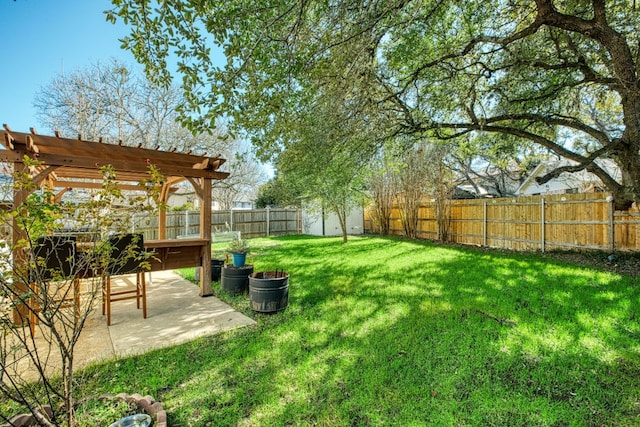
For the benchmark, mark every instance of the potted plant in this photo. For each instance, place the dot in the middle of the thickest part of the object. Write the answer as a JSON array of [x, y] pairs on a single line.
[[238, 248]]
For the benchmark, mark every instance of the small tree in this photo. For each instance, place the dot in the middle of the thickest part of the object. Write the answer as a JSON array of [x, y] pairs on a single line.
[[410, 187], [440, 184], [39, 335], [278, 192], [423, 170], [320, 160], [381, 193]]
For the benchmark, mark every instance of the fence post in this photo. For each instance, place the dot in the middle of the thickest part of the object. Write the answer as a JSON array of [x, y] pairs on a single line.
[[542, 224], [231, 220], [267, 210], [484, 224], [435, 214], [612, 236], [186, 222]]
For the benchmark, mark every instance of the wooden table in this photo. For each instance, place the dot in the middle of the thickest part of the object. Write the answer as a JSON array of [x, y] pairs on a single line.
[[167, 254], [176, 253], [179, 253]]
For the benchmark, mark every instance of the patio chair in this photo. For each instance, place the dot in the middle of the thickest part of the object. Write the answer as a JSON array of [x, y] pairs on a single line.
[[126, 256], [55, 271]]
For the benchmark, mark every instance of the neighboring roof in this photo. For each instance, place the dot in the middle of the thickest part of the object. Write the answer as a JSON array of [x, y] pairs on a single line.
[[468, 191], [72, 162], [575, 178]]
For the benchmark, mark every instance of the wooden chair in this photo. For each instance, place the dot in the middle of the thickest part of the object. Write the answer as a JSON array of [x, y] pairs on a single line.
[[126, 256], [55, 271]]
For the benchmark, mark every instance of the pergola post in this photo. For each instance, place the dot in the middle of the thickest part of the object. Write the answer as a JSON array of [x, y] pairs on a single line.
[[162, 223], [19, 256], [205, 234]]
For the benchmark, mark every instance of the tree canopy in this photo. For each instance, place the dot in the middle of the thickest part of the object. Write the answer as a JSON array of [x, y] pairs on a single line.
[[559, 75]]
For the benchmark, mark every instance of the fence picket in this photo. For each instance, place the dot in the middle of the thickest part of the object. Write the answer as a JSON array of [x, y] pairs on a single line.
[[560, 221], [251, 223]]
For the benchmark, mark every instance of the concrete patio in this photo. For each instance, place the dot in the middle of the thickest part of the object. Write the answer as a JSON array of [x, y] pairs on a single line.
[[175, 314]]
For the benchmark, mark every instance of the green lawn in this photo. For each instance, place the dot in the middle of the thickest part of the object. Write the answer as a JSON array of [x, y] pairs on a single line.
[[388, 332]]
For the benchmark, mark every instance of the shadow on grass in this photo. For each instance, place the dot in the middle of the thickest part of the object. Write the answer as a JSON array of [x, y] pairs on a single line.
[[393, 332]]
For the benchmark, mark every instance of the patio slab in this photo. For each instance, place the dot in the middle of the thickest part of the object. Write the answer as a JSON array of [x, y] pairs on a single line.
[[176, 313]]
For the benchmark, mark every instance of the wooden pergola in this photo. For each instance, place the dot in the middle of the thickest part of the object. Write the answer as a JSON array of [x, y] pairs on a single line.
[[74, 163]]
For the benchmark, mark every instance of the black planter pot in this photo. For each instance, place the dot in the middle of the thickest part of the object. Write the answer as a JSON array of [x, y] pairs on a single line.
[[235, 280], [216, 269], [269, 291], [216, 266]]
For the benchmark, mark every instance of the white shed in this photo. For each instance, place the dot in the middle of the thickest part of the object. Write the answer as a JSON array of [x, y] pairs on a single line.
[[321, 223]]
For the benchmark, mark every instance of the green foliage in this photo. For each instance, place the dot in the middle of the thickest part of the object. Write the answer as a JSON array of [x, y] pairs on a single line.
[[187, 206], [329, 156], [41, 318], [543, 73], [386, 331], [278, 192], [267, 196], [238, 246], [38, 214], [103, 411]]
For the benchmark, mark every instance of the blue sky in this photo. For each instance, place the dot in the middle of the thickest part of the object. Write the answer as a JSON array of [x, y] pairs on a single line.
[[39, 39]]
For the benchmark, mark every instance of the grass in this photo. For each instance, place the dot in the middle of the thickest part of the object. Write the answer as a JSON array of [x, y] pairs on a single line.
[[385, 331]]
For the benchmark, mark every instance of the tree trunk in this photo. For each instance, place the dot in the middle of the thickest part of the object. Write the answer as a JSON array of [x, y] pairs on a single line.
[[342, 217]]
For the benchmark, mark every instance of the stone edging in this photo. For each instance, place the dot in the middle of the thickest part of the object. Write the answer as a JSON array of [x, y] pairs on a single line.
[[26, 420], [147, 403]]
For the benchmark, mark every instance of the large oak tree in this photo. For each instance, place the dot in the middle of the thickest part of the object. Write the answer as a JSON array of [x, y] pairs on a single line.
[[560, 74]]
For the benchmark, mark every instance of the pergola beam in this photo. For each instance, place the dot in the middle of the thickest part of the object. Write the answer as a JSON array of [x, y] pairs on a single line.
[[137, 169], [42, 145]]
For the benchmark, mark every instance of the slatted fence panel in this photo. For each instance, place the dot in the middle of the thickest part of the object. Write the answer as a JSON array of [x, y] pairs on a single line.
[[562, 221], [427, 224], [627, 229], [251, 223]]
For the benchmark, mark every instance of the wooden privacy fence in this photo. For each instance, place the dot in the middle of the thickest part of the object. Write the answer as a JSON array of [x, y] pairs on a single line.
[[563, 221], [251, 223]]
